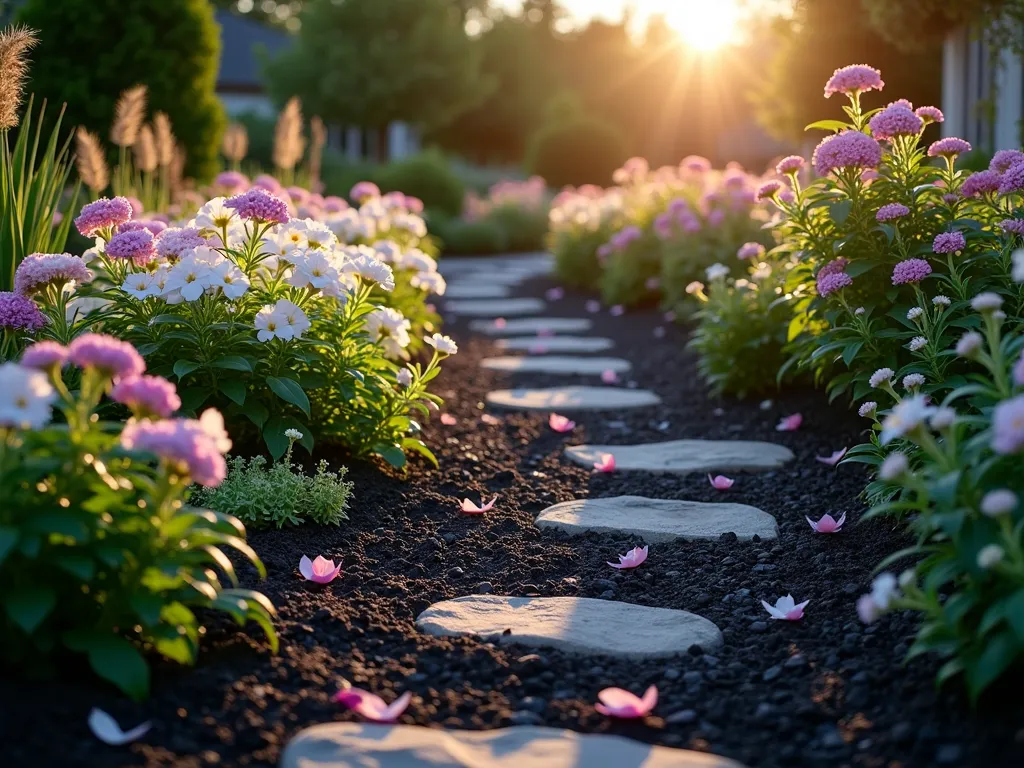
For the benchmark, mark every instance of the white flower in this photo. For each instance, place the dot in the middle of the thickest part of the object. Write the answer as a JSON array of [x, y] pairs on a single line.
[[914, 312], [912, 381], [416, 259], [293, 434], [894, 467], [389, 329], [716, 272], [443, 344], [411, 223], [943, 418], [315, 234], [431, 282], [189, 277], [999, 502], [695, 287], [907, 416], [969, 344], [868, 410], [230, 279], [370, 268], [859, 311], [917, 343], [270, 325], [908, 578], [141, 285], [986, 302], [25, 397], [883, 589], [294, 318], [881, 376], [404, 377], [213, 215], [314, 268], [388, 251], [1018, 265], [989, 556], [941, 301]]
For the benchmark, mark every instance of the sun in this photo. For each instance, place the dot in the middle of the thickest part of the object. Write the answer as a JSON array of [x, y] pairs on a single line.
[[704, 25]]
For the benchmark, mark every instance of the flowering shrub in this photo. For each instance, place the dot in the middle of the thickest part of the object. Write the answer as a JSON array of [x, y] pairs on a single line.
[[517, 211], [98, 553], [279, 496]]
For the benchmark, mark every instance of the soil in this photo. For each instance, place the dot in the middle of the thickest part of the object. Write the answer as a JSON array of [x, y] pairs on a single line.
[[826, 691]]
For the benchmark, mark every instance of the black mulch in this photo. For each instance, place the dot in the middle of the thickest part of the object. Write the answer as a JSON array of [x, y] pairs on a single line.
[[826, 691]]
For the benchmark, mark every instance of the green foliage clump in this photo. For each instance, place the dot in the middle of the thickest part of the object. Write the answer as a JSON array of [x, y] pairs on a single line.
[[281, 495], [524, 227], [428, 176], [576, 150], [462, 237], [90, 52]]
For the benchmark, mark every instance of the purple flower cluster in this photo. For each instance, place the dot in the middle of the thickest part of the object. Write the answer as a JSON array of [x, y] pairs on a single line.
[[949, 242], [147, 396], [855, 78], [695, 164], [849, 149], [364, 190], [39, 270], [195, 447], [103, 214], [834, 267], [750, 251], [621, 240], [334, 204], [268, 182], [833, 282], [1004, 158], [768, 190], [980, 183], [1012, 179], [111, 356], [910, 271], [231, 180], [44, 355], [791, 164], [930, 115], [948, 147], [259, 205], [895, 120], [891, 212], [1008, 426], [1012, 226], [19, 312], [137, 245], [173, 242], [153, 226]]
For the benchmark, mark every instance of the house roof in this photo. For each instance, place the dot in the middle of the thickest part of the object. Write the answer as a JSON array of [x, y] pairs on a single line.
[[240, 39]]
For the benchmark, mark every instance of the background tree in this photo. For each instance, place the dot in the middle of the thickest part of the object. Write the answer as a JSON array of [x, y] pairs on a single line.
[[911, 22], [369, 63], [90, 51]]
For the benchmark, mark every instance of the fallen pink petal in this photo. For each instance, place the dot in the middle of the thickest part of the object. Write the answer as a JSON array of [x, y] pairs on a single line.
[[561, 423], [545, 333], [555, 294], [609, 376], [790, 423], [786, 609], [500, 322], [371, 706], [489, 419], [470, 507], [827, 524], [448, 420], [617, 702], [617, 311], [537, 349], [606, 463], [320, 571], [721, 482], [593, 305], [834, 459], [631, 559]]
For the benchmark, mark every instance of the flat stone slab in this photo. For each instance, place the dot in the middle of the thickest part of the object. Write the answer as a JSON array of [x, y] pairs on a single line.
[[572, 624], [659, 520], [685, 456], [481, 290], [369, 745], [572, 399], [572, 344], [494, 308], [557, 364], [532, 325]]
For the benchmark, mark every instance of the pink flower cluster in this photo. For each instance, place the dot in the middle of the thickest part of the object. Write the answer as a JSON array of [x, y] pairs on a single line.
[[948, 147], [259, 205], [949, 242], [1008, 426], [195, 447], [108, 355], [853, 79], [103, 214], [791, 164], [232, 181], [622, 239], [19, 312], [39, 270], [891, 211], [364, 190], [153, 226], [173, 242], [695, 164], [147, 396], [750, 251], [44, 355], [849, 149], [930, 115], [910, 271], [137, 245], [768, 190], [895, 120]]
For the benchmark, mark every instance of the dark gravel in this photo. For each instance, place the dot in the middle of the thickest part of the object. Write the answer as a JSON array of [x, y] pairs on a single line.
[[826, 691]]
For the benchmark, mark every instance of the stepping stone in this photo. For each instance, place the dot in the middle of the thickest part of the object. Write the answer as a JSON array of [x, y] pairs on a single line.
[[658, 520], [573, 344], [495, 308], [369, 745], [572, 399], [572, 624], [685, 456], [557, 364], [481, 290], [532, 325]]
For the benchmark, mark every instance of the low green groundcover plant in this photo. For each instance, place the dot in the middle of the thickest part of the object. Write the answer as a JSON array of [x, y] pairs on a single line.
[[100, 553], [281, 495]]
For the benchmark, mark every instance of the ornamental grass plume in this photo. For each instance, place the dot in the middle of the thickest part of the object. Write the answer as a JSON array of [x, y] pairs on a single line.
[[90, 161], [144, 150], [288, 141], [317, 142], [164, 140], [236, 142], [129, 113], [15, 43]]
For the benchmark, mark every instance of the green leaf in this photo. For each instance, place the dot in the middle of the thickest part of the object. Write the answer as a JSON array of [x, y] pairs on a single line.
[[193, 397], [62, 523], [8, 538], [234, 389], [827, 125], [81, 566], [289, 391], [177, 649], [839, 212], [147, 607], [183, 368], [28, 606], [999, 653], [392, 454], [233, 363], [115, 659], [257, 413]]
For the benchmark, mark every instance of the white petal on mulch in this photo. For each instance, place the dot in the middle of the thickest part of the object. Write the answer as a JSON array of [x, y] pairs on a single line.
[[573, 624], [570, 344], [105, 728], [494, 308], [658, 520], [561, 399], [685, 456], [532, 326], [557, 364], [477, 290], [359, 745]]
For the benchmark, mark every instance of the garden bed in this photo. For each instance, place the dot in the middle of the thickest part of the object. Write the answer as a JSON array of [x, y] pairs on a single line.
[[825, 691]]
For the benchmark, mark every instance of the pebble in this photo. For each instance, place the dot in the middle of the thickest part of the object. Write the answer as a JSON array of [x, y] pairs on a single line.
[[693, 677], [484, 588], [759, 626], [672, 673], [949, 754], [771, 673], [794, 661], [682, 717], [456, 571], [524, 717]]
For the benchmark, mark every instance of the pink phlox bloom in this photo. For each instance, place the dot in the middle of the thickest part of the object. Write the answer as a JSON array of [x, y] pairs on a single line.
[[616, 702], [371, 706], [721, 482], [470, 507], [448, 420], [786, 608], [609, 376], [834, 459], [790, 423], [827, 524], [321, 570], [561, 423], [500, 322], [631, 559], [605, 464]]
